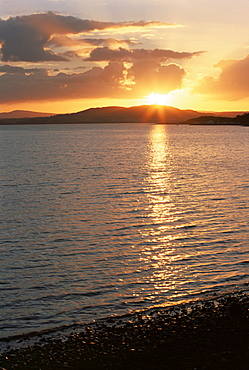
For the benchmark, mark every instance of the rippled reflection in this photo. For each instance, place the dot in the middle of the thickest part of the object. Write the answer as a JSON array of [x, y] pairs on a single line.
[[161, 254], [158, 181], [102, 219]]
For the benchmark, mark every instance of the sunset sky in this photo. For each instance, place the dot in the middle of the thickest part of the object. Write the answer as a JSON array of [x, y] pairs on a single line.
[[64, 56]]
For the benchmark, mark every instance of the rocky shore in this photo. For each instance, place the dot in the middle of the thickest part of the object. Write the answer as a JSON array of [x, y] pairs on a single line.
[[209, 334]]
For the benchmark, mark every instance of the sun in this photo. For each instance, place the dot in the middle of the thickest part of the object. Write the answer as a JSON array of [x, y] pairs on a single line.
[[157, 99]]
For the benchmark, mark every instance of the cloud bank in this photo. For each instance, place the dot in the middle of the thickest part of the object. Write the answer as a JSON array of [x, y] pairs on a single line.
[[109, 66], [105, 54], [113, 81], [232, 83], [24, 38]]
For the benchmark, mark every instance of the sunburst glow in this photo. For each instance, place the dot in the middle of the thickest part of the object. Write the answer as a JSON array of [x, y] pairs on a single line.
[[158, 99]]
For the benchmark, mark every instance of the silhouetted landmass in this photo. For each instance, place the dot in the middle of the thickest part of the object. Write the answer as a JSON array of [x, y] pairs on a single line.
[[231, 114], [140, 114], [242, 120], [24, 114]]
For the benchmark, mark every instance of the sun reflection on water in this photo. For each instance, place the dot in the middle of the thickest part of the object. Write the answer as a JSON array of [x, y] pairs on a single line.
[[159, 180], [160, 254]]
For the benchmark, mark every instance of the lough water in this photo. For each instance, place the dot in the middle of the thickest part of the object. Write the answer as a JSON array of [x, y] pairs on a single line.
[[98, 220]]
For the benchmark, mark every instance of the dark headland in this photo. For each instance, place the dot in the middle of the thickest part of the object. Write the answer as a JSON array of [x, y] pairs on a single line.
[[208, 334], [140, 114]]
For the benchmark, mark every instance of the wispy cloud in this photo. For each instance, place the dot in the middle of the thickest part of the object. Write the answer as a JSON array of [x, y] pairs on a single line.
[[64, 40], [105, 54]]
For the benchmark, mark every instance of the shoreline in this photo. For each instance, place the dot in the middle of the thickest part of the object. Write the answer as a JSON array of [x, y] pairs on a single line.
[[212, 333], [234, 124]]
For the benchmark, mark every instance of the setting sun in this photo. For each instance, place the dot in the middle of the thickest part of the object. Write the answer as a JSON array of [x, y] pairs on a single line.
[[157, 99]]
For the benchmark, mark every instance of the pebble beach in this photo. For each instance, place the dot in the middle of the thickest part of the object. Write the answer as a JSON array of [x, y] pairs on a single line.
[[204, 334]]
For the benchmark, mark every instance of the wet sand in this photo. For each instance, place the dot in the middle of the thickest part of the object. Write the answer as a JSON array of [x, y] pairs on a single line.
[[209, 334]]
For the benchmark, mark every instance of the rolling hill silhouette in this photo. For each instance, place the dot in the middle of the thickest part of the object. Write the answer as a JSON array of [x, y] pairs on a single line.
[[23, 114], [139, 114]]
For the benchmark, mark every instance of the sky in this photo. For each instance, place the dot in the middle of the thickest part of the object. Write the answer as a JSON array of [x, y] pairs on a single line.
[[62, 56]]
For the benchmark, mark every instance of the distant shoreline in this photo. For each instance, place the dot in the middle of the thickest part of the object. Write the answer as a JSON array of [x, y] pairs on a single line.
[[141, 114], [122, 123]]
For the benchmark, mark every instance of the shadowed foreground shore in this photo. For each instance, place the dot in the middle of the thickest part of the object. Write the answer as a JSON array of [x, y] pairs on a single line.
[[210, 334]]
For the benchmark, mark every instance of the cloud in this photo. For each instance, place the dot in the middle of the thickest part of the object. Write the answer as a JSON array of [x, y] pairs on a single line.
[[40, 85], [144, 24], [66, 41], [106, 54], [114, 80], [25, 38], [151, 76], [124, 71], [232, 83], [18, 70]]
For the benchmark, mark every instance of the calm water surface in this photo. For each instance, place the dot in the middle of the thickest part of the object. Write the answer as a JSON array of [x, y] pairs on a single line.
[[97, 220]]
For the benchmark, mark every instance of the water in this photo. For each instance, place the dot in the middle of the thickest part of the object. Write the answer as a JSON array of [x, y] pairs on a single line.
[[98, 220]]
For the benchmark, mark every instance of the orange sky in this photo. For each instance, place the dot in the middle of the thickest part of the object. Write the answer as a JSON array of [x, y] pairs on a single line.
[[66, 56]]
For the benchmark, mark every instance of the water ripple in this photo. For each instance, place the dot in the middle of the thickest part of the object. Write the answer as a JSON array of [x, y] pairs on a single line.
[[97, 221]]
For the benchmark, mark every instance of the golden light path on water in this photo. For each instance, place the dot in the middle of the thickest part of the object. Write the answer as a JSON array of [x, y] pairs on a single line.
[[163, 252], [98, 220]]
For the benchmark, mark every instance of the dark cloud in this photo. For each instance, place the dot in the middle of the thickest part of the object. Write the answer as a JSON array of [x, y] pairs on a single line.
[[19, 70], [232, 83], [71, 54], [114, 80], [32, 39], [109, 41], [11, 69], [62, 40], [24, 38], [106, 54], [95, 83]]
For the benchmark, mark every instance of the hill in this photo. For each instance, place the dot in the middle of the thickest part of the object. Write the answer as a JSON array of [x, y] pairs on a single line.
[[231, 114], [139, 114], [242, 120], [23, 114]]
